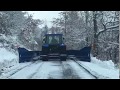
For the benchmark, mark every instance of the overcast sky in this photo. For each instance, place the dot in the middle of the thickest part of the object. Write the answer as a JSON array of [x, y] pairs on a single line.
[[45, 15]]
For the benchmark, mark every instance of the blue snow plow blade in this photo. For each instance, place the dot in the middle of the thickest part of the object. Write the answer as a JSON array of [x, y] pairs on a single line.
[[82, 55], [26, 56]]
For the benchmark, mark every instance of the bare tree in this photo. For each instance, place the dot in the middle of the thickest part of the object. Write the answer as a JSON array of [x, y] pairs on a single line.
[[119, 44], [99, 28], [95, 33]]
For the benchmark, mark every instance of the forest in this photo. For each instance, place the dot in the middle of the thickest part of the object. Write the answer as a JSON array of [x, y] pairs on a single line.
[[98, 29]]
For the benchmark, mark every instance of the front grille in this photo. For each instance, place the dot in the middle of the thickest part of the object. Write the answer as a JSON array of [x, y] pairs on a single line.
[[54, 49]]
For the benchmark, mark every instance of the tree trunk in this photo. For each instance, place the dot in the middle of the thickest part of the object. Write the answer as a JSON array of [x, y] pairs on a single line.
[[65, 23], [95, 52], [65, 32], [119, 43], [86, 21]]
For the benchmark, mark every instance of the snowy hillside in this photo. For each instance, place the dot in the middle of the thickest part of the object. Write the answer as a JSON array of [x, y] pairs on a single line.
[[8, 51], [7, 59], [6, 55]]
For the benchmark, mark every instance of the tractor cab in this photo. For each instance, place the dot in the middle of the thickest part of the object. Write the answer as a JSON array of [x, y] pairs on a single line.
[[53, 46], [53, 39]]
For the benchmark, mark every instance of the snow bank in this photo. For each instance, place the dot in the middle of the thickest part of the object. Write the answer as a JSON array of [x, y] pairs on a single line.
[[6, 55], [106, 64], [7, 59], [101, 69]]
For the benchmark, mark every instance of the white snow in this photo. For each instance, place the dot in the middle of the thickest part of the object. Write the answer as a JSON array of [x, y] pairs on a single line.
[[53, 69], [10, 71], [27, 72], [104, 64], [102, 69], [79, 71], [6, 55], [49, 69], [37, 70], [7, 59]]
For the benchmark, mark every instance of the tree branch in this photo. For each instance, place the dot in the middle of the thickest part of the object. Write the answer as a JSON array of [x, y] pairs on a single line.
[[109, 42], [104, 25], [103, 30]]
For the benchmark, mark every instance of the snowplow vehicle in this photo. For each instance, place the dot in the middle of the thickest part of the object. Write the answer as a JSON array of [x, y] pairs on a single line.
[[54, 48]]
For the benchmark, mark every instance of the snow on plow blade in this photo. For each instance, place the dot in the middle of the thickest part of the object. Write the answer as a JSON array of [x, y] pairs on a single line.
[[82, 55]]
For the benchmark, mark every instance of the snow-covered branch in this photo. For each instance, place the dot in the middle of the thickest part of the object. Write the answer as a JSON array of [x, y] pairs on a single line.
[[109, 42], [103, 30]]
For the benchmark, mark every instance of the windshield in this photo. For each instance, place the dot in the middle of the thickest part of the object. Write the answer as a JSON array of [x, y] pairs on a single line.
[[52, 39]]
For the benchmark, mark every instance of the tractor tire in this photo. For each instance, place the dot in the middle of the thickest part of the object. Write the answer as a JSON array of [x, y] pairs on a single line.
[[62, 58], [45, 59]]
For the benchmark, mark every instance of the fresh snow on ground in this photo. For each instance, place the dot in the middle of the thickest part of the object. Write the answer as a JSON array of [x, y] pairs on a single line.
[[35, 70], [7, 59], [55, 70], [102, 69], [27, 72], [14, 69], [6, 55], [10, 68], [49, 70], [8, 51], [79, 71], [104, 64]]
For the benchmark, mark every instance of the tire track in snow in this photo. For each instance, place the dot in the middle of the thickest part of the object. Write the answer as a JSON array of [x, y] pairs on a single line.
[[26, 72], [68, 71], [86, 69], [82, 73], [10, 73], [95, 74], [32, 75], [92, 72], [49, 70], [13, 68]]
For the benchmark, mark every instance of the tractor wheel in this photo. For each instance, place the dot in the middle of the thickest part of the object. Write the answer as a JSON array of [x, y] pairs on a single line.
[[45, 59], [63, 58]]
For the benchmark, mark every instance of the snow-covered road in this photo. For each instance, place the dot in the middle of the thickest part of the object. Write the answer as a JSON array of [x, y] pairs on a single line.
[[49, 70], [81, 72], [36, 70]]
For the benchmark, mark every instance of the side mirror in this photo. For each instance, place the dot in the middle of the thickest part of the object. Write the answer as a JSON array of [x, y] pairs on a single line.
[[43, 40], [63, 40]]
